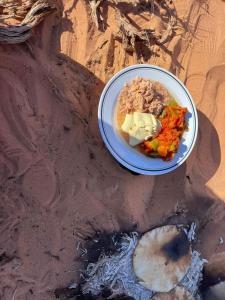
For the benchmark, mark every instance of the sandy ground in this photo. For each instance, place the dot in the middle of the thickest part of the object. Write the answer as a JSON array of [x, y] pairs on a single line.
[[58, 183]]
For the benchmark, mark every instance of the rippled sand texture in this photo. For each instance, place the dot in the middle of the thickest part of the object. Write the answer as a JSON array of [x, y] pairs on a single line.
[[59, 184]]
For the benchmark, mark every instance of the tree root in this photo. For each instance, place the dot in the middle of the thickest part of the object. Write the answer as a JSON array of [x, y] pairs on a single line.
[[128, 33], [30, 13]]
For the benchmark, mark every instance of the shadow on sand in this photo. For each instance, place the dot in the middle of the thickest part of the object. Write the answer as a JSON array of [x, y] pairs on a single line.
[[191, 178]]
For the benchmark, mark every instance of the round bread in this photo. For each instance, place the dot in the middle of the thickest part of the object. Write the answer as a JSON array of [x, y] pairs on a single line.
[[162, 258], [179, 293]]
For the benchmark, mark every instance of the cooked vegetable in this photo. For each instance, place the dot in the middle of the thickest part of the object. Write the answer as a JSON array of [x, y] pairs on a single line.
[[166, 144]]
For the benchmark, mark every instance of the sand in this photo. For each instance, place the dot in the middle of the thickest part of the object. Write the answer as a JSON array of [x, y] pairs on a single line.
[[59, 184]]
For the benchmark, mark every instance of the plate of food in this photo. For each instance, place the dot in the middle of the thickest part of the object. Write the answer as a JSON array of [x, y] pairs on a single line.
[[147, 119]]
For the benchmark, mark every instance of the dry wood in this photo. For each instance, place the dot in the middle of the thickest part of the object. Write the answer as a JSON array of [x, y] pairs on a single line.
[[94, 4], [31, 13], [128, 33]]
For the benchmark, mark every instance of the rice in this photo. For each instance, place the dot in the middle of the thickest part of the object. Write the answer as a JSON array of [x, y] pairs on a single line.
[[143, 95]]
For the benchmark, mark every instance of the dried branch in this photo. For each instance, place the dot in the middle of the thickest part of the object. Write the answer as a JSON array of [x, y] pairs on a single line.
[[11, 9], [31, 12], [94, 4], [128, 33], [132, 2]]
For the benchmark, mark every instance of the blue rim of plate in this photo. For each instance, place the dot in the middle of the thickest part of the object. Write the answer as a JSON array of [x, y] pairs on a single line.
[[121, 160]]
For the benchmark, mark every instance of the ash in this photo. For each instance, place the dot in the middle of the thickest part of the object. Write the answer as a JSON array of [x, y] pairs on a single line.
[[115, 272], [193, 277]]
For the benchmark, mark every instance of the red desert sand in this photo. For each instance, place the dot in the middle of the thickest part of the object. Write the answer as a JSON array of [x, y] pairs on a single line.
[[58, 183]]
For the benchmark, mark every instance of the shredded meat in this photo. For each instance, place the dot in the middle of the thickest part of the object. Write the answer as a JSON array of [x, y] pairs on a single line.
[[143, 95]]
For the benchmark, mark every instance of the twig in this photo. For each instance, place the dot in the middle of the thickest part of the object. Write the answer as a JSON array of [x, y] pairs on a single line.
[[95, 12], [128, 33]]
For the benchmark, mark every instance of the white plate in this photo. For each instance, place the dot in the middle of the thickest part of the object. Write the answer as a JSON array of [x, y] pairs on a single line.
[[123, 153]]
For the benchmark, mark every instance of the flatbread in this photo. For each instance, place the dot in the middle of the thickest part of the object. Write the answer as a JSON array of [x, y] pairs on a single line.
[[179, 293], [162, 258]]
